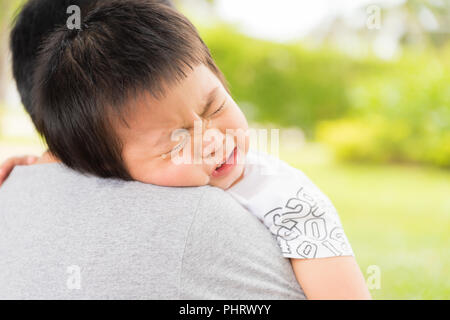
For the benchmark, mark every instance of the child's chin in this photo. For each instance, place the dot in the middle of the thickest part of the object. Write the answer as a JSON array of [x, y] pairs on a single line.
[[222, 184]]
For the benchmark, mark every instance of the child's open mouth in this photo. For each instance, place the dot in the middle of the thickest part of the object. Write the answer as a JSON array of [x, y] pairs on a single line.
[[226, 166]]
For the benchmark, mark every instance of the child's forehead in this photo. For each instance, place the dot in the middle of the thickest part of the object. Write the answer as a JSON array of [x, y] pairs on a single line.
[[180, 102]]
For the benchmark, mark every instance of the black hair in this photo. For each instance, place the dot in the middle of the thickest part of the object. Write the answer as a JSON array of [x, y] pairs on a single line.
[[35, 21], [84, 78]]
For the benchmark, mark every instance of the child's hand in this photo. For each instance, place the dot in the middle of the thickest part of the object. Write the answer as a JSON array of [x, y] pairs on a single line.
[[8, 165]]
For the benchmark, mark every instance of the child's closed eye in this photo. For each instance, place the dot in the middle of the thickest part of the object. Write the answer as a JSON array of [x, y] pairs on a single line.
[[219, 109], [182, 144]]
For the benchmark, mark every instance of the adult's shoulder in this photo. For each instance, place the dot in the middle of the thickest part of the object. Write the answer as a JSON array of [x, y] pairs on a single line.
[[57, 181], [229, 254]]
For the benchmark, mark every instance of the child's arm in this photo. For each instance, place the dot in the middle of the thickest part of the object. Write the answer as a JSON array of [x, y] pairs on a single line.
[[306, 226], [334, 278]]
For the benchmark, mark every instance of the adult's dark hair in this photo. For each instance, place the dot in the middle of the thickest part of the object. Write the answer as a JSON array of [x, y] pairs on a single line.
[[87, 78], [35, 21]]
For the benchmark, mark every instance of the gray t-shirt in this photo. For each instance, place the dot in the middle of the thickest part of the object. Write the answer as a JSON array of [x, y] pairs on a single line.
[[64, 235]]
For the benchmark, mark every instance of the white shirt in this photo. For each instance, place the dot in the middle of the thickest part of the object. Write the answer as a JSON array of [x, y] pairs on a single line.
[[301, 217]]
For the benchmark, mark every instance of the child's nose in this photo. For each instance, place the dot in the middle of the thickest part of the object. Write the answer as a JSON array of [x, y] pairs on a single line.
[[213, 141]]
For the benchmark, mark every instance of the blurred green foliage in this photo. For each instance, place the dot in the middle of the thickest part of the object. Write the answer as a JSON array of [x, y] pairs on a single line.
[[365, 109]]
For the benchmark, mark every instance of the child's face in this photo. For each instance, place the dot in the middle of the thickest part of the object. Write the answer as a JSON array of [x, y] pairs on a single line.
[[148, 148]]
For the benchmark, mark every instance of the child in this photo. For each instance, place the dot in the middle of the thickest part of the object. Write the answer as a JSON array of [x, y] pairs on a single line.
[[136, 87]]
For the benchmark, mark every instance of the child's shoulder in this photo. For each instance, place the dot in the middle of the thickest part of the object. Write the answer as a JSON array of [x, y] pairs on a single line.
[[268, 173], [294, 209]]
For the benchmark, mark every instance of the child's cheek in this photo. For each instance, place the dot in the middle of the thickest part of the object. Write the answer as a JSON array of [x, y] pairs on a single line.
[[179, 175]]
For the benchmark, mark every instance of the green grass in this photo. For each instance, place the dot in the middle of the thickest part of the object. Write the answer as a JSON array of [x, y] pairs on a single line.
[[396, 217]]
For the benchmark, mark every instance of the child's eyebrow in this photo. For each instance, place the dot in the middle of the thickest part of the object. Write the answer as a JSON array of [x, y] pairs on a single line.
[[211, 97]]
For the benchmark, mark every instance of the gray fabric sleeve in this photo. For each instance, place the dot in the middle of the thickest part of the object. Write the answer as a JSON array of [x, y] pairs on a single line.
[[229, 254]]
